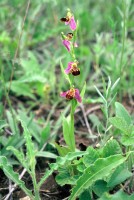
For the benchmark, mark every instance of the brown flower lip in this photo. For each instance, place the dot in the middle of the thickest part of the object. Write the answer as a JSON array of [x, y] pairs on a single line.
[[70, 94], [75, 71], [64, 19], [70, 35]]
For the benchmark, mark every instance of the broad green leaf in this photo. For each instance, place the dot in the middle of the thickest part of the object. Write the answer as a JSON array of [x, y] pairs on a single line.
[[20, 156], [66, 177], [31, 61], [120, 174], [21, 89], [100, 169], [122, 113], [119, 123], [120, 195], [112, 147], [60, 161], [85, 195], [91, 157], [32, 78], [8, 170], [29, 144], [127, 140], [100, 187]]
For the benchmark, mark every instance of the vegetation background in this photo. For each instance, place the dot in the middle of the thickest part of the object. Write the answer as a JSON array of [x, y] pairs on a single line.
[[31, 80]]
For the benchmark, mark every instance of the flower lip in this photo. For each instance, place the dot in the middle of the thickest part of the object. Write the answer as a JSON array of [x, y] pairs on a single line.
[[65, 19], [69, 36], [72, 94]]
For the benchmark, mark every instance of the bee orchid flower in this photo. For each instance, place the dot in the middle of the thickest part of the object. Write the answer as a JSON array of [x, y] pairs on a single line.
[[69, 20], [72, 68], [72, 94]]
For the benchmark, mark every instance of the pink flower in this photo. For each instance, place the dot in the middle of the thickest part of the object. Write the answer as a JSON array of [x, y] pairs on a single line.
[[67, 44], [72, 94], [72, 23], [72, 68]]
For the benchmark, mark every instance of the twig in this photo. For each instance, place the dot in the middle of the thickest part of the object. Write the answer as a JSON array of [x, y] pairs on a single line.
[[92, 109], [86, 121], [14, 186], [17, 49]]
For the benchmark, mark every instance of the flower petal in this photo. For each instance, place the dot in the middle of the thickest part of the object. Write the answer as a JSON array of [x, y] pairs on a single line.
[[77, 96], [72, 23], [66, 43], [68, 69], [75, 44], [63, 94], [66, 23]]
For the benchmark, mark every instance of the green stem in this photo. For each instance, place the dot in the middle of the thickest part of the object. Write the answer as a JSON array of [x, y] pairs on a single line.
[[123, 43], [72, 125], [9, 102], [36, 189], [130, 159], [123, 37]]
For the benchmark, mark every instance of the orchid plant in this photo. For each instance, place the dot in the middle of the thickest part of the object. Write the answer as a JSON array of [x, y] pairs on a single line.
[[72, 94]]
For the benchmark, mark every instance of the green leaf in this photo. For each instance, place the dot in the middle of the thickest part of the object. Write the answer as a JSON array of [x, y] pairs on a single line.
[[66, 123], [20, 156], [8, 170], [82, 93], [3, 124], [45, 133], [127, 140], [119, 123], [65, 176], [91, 157], [29, 144], [11, 122], [85, 195], [32, 78], [33, 127], [123, 113], [120, 195], [60, 161], [112, 147], [120, 174], [100, 187], [62, 150], [100, 169], [46, 154], [21, 89]]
